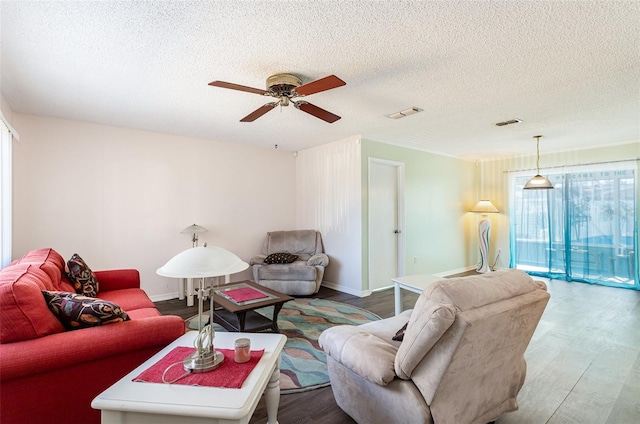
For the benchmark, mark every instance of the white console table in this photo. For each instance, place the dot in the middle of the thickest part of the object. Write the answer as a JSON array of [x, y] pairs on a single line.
[[413, 283], [129, 401]]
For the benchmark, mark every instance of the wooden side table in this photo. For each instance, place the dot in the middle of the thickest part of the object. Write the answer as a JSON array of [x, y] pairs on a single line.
[[242, 316]]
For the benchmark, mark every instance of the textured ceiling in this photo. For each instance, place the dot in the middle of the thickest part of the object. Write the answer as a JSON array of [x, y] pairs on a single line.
[[569, 70]]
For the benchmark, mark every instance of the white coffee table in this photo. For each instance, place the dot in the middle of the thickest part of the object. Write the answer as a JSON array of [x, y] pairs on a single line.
[[413, 283], [136, 402]]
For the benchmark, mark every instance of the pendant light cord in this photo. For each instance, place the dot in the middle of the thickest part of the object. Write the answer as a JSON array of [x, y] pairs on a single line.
[[538, 153]]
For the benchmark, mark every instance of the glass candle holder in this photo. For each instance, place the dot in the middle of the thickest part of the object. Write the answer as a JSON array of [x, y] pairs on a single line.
[[242, 350]]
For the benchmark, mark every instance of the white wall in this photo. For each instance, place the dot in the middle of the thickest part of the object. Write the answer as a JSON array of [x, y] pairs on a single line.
[[329, 200], [120, 197]]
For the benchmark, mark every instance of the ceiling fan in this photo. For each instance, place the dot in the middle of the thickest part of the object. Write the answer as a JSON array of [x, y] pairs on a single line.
[[285, 88]]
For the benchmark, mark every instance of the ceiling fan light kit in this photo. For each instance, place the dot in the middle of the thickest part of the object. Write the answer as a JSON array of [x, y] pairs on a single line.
[[286, 88]]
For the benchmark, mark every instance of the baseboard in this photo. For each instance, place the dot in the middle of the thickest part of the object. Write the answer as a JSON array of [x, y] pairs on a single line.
[[348, 290], [456, 271], [365, 293], [166, 296]]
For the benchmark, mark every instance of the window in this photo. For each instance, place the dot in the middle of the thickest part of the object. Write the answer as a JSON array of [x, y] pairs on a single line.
[[586, 229], [5, 195]]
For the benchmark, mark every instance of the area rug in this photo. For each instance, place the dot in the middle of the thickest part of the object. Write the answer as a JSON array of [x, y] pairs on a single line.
[[303, 365]]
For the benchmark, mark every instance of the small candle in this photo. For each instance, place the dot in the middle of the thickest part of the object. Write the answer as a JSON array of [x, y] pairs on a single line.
[[243, 350]]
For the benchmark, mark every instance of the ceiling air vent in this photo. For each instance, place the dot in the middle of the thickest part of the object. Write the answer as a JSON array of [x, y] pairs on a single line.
[[512, 121], [404, 113]]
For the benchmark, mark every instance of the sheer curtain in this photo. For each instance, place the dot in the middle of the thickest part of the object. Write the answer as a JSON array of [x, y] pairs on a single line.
[[586, 229]]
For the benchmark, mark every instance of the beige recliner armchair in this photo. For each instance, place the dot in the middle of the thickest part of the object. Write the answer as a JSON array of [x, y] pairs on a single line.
[[461, 360], [303, 274]]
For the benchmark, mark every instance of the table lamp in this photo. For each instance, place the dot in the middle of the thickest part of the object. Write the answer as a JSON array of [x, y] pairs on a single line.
[[203, 262], [484, 207]]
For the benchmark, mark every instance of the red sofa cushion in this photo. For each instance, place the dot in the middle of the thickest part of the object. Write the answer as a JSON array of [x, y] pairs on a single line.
[[128, 299], [50, 262], [23, 312], [144, 313]]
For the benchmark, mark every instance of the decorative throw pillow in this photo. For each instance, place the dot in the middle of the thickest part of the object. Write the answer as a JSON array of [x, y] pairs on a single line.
[[76, 311], [400, 334], [280, 258], [83, 279]]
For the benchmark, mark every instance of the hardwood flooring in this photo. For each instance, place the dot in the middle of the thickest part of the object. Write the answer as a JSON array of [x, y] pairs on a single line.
[[583, 363]]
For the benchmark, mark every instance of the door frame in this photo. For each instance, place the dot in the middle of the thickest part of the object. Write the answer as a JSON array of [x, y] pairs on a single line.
[[400, 180]]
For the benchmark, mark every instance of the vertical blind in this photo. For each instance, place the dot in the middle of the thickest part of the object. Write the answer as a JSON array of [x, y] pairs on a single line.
[[585, 229]]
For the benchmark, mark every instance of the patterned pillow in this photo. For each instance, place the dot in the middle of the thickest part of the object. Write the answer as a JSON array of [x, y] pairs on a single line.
[[280, 258], [76, 311], [83, 279], [400, 334]]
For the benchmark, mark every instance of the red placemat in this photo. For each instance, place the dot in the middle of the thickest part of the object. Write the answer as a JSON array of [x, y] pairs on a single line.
[[229, 374], [243, 294]]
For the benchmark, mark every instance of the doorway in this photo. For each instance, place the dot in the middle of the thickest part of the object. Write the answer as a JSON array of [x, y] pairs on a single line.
[[386, 222]]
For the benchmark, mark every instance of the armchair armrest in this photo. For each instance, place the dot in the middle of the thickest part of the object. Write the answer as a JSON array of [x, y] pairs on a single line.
[[257, 260], [319, 259], [116, 279], [363, 353]]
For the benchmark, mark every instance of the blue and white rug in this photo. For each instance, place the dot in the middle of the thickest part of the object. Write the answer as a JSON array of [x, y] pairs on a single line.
[[304, 365]]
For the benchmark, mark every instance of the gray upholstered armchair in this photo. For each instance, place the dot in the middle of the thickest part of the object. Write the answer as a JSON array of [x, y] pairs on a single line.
[[300, 277], [461, 360]]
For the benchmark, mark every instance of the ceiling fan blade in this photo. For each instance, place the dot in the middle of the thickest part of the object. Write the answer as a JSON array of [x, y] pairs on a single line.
[[323, 84], [259, 112], [317, 112], [238, 87]]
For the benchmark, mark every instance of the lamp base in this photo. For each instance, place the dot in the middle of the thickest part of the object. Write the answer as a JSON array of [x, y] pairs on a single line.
[[198, 363], [484, 229]]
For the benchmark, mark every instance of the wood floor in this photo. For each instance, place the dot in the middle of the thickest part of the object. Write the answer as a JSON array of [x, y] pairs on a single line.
[[583, 363]]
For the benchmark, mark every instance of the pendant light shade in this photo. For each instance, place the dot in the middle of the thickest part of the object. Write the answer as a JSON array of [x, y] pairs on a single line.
[[538, 182]]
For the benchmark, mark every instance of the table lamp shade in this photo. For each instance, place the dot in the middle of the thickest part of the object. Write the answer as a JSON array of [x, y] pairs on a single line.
[[202, 262]]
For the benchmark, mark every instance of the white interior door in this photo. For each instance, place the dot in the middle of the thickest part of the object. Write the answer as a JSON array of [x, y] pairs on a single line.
[[386, 257]]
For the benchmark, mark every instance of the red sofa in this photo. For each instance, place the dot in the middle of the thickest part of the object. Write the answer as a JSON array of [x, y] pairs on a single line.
[[49, 375]]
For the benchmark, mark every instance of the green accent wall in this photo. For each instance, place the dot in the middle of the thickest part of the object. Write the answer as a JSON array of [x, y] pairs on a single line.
[[439, 191]]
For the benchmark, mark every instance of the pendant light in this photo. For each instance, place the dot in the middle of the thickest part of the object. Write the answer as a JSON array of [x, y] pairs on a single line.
[[538, 182]]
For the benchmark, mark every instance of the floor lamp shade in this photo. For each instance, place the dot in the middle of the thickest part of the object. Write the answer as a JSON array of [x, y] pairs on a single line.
[[194, 230], [484, 232]]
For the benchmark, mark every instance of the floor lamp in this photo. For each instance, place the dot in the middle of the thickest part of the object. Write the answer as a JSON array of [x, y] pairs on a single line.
[[194, 230], [484, 207]]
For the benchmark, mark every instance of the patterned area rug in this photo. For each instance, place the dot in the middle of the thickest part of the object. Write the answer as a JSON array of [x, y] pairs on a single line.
[[303, 365]]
